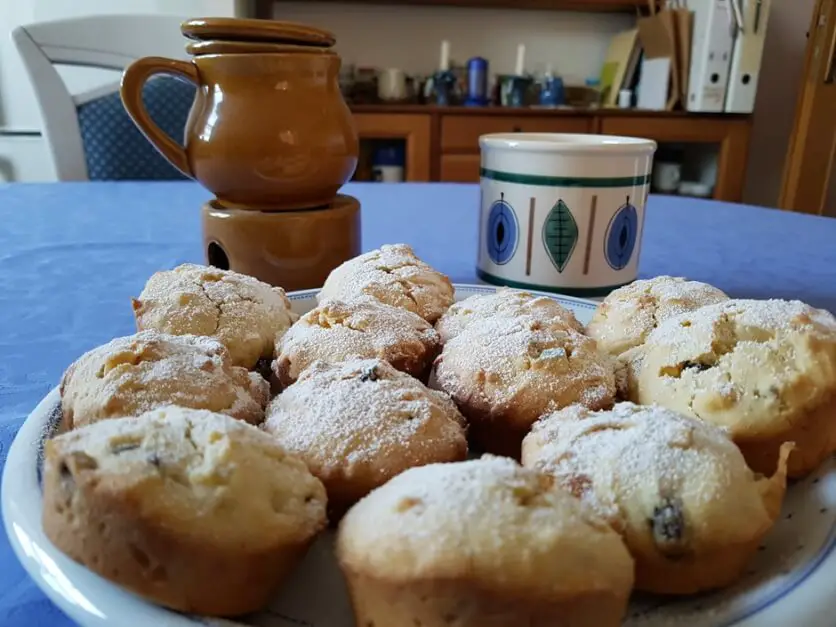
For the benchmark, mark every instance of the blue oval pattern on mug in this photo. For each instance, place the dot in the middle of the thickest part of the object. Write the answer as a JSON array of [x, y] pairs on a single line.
[[622, 234], [503, 232]]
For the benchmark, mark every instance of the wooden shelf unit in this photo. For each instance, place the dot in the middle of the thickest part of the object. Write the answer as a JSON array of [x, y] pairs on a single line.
[[264, 8], [442, 143]]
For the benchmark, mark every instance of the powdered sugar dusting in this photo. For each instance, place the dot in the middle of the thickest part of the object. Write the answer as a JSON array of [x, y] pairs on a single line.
[[363, 328], [504, 302], [365, 411], [133, 374], [630, 461], [753, 366], [511, 367], [246, 315], [630, 313], [229, 480], [395, 276], [504, 521]]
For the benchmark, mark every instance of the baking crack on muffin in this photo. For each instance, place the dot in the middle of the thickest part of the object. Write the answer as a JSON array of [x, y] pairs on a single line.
[[337, 331], [764, 370], [395, 276], [246, 315], [134, 374]]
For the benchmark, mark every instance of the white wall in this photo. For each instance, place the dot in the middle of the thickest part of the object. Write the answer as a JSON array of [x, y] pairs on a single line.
[[409, 37]]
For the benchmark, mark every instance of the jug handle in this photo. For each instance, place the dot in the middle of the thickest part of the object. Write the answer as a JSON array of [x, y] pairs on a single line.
[[133, 80]]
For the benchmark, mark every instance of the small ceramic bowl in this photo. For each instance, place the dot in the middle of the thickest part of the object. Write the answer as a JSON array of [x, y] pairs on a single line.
[[562, 213]]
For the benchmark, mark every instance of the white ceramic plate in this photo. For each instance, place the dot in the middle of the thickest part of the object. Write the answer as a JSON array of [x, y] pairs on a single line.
[[792, 580]]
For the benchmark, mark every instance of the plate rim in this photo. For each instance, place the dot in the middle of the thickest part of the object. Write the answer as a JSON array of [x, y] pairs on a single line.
[[577, 301], [19, 483]]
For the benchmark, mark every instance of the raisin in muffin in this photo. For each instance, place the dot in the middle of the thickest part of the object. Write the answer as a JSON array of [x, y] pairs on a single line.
[[764, 370], [190, 509], [359, 423], [364, 328], [395, 276], [508, 303], [505, 373], [677, 489], [134, 374], [244, 314], [625, 318], [482, 542]]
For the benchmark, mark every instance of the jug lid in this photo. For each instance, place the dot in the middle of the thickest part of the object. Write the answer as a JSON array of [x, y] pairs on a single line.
[[225, 46], [241, 29]]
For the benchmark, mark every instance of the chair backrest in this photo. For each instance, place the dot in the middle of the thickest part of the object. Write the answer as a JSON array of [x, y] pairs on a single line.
[[94, 120]]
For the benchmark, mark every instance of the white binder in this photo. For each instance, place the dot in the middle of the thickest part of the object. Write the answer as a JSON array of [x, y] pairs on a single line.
[[715, 27], [747, 55]]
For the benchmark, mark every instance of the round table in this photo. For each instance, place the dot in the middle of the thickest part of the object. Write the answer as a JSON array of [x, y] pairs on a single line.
[[72, 255]]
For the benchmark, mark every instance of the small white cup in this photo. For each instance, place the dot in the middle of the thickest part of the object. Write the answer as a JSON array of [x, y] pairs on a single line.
[[391, 84], [666, 176], [562, 213]]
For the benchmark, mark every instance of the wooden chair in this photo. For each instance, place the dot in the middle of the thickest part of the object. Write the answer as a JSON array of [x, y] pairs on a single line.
[[89, 135]]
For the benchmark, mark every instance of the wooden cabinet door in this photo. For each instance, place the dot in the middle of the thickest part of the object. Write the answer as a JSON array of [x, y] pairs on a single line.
[[460, 168], [460, 133], [414, 129], [731, 134], [809, 168]]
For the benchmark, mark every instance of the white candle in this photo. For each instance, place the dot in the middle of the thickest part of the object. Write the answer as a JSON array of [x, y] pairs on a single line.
[[520, 69], [445, 56]]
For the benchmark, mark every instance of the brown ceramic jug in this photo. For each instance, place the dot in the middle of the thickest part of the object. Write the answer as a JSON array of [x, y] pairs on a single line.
[[269, 128]]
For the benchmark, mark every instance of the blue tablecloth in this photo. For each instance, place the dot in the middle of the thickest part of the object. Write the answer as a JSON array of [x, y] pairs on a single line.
[[72, 255]]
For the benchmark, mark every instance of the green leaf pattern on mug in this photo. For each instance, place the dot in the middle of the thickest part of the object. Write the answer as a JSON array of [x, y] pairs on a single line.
[[560, 235]]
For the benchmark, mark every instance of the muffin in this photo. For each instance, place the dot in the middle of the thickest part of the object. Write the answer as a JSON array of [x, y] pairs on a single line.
[[336, 331], [504, 303], [505, 373], [477, 543], [359, 423], [764, 370], [677, 489], [395, 276], [626, 317], [244, 314], [190, 509], [131, 375]]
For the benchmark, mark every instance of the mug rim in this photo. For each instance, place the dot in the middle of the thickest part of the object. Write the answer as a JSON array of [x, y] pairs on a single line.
[[566, 143]]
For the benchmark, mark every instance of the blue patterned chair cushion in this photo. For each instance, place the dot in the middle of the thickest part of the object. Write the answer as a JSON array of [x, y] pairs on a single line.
[[113, 146]]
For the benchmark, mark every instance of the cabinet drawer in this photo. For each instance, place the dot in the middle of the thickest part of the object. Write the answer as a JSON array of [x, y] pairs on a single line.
[[460, 168], [460, 133]]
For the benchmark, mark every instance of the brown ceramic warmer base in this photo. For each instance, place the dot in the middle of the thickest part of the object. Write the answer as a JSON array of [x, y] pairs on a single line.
[[295, 250]]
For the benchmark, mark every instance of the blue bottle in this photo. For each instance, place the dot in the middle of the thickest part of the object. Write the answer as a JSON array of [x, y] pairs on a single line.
[[477, 82], [552, 93]]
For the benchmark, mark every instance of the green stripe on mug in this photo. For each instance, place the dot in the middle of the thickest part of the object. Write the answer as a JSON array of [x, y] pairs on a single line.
[[564, 181]]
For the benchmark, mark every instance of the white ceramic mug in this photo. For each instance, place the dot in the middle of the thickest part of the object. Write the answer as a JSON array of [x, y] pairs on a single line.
[[666, 176], [391, 84], [562, 212]]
